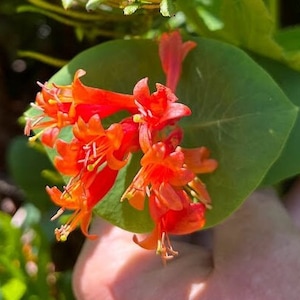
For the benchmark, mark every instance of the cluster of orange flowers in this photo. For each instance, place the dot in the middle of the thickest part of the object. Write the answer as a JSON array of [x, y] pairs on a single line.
[[177, 198]]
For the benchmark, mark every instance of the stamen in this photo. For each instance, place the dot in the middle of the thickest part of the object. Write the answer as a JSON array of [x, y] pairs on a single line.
[[62, 233], [56, 97], [137, 118], [94, 146], [40, 84], [87, 155], [195, 192], [36, 121], [148, 191], [28, 126], [32, 104], [140, 108], [150, 113], [165, 249], [58, 214], [52, 102], [66, 190], [91, 167], [35, 137]]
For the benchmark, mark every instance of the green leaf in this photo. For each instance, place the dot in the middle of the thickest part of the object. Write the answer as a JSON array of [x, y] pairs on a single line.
[[21, 250], [167, 8], [131, 9], [289, 39], [288, 164], [67, 3], [93, 4], [121, 213], [14, 289], [239, 113], [247, 24], [11, 275], [26, 166]]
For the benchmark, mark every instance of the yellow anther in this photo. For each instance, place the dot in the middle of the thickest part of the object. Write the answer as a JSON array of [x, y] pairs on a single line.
[[137, 118]]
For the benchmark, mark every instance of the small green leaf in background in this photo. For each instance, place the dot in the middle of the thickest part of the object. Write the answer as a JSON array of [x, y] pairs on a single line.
[[131, 9], [27, 166], [67, 3], [289, 39], [93, 4], [247, 24], [24, 258], [10, 260], [167, 8], [13, 289], [239, 113]]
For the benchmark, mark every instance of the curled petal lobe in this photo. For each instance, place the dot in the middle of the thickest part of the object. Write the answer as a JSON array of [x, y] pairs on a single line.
[[168, 196], [198, 160], [49, 136], [150, 242], [185, 221], [159, 109]]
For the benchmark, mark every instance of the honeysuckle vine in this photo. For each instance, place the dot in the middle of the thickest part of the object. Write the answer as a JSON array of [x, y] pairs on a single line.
[[168, 175]]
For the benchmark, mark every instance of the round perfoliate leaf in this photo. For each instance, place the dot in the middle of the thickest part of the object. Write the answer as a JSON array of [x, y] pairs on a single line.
[[238, 112]]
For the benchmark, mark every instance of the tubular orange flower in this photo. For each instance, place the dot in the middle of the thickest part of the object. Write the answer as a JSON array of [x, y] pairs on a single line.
[[99, 144], [160, 108], [177, 198], [93, 159], [61, 106], [94, 146], [178, 222], [160, 171], [172, 52], [163, 171], [198, 160], [81, 194], [156, 111], [54, 104]]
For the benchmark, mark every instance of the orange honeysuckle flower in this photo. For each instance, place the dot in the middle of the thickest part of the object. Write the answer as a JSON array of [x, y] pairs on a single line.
[[177, 198], [99, 144], [172, 52], [81, 194], [155, 111], [108, 100], [61, 106], [177, 222], [94, 146], [54, 105], [161, 170], [160, 108], [93, 158]]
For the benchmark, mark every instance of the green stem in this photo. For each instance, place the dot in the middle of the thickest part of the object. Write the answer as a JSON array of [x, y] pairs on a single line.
[[66, 21], [43, 58], [80, 15]]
